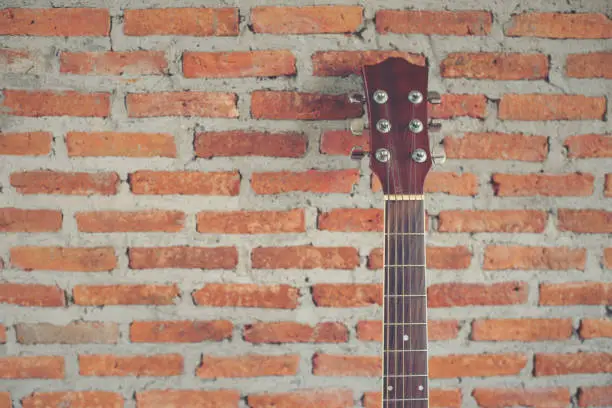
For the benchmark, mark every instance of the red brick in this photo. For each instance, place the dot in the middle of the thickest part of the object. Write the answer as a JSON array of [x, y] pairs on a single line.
[[592, 65], [239, 64], [375, 259], [347, 294], [128, 144], [434, 22], [524, 397], [517, 185], [76, 332], [607, 258], [187, 398], [250, 365], [130, 221], [22, 220], [595, 328], [19, 61], [575, 293], [185, 182], [180, 331], [186, 103], [584, 221], [551, 107], [64, 259], [73, 399], [458, 257], [451, 106], [560, 25], [476, 294], [2, 336], [44, 367], [55, 103], [465, 184], [62, 22], [492, 221], [306, 20], [251, 222], [497, 146], [371, 330], [198, 22], [108, 365], [438, 398], [5, 400], [55, 182], [293, 332], [586, 146], [343, 63], [343, 365], [313, 181], [521, 329], [518, 257], [572, 363], [26, 143], [249, 143], [494, 65], [312, 398], [247, 295], [351, 220], [595, 396], [476, 365], [125, 295], [340, 142], [114, 63], [31, 295], [305, 257], [302, 106], [183, 257]]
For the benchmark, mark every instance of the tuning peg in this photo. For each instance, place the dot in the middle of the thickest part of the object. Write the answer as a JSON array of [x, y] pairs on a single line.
[[356, 98], [434, 127], [438, 158], [357, 153], [356, 126], [434, 97]]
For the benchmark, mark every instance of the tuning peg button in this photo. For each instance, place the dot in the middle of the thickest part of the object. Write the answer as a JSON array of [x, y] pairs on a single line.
[[356, 98], [434, 97], [356, 126], [438, 158], [357, 153]]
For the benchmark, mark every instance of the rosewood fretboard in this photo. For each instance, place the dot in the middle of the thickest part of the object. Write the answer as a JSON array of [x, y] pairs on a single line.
[[405, 382]]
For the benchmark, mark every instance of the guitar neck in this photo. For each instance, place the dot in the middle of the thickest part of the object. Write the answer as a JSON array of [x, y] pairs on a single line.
[[405, 381]]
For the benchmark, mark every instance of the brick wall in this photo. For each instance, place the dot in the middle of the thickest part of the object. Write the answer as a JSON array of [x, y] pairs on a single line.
[[181, 226]]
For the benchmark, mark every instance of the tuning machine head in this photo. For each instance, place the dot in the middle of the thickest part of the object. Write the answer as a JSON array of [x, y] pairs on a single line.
[[357, 153], [434, 97], [356, 98]]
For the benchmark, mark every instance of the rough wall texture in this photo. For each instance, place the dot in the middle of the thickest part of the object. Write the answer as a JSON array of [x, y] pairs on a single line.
[[181, 226]]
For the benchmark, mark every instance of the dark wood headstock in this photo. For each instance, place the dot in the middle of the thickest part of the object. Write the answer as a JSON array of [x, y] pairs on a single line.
[[396, 92]]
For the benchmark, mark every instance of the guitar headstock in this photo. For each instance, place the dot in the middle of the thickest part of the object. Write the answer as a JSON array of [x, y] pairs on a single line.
[[396, 96]]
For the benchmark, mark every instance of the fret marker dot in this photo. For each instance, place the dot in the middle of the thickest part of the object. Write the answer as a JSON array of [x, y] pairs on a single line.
[[420, 388], [390, 387], [406, 337]]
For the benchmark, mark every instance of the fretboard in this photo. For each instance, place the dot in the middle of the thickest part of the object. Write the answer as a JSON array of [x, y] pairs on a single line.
[[405, 306]]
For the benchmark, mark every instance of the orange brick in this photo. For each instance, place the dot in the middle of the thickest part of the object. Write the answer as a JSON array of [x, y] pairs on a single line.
[[458, 257], [343, 63], [476, 294], [432, 22], [64, 259], [25, 144], [271, 63], [595, 396], [492, 221], [572, 363], [43, 367], [125, 295], [497, 146], [183, 257], [32, 295], [185, 398], [494, 65], [288, 105], [306, 20], [560, 25], [518, 257], [592, 65], [465, 184], [74, 399], [187, 103], [247, 295], [343, 365], [113, 63], [476, 365], [575, 293], [249, 143], [452, 106], [55, 103], [607, 258], [251, 222], [128, 144], [314, 181], [185, 182], [52, 182], [108, 365], [22, 220], [584, 221], [516, 185], [251, 365], [351, 220], [595, 328], [5, 400], [2, 336], [62, 22], [551, 107], [586, 146], [130, 221], [347, 294], [180, 331], [313, 398], [293, 332], [527, 397], [304, 257], [340, 142], [521, 329], [198, 22]]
